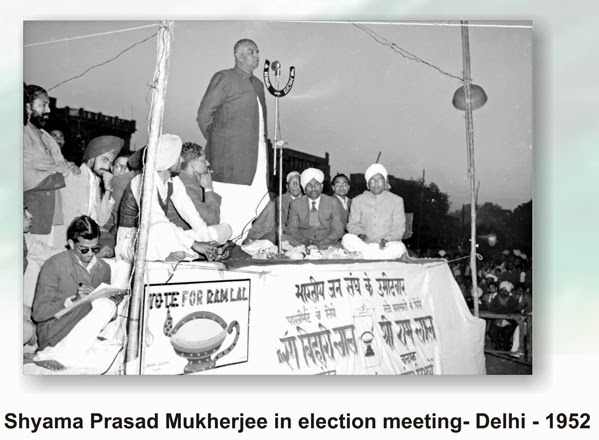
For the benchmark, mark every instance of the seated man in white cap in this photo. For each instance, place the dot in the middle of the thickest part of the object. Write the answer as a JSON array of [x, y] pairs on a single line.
[[377, 220], [265, 227], [167, 241], [90, 192], [314, 219]]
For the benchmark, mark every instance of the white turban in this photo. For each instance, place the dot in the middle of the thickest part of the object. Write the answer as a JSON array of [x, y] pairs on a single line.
[[517, 252], [493, 277], [374, 169], [292, 174], [442, 253], [309, 174], [506, 285], [169, 151]]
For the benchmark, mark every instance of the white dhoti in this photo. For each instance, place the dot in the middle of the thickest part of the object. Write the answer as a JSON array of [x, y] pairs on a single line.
[[165, 238], [81, 348], [242, 204], [371, 251]]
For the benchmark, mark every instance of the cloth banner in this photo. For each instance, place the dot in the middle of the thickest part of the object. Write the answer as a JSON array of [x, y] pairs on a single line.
[[320, 318]]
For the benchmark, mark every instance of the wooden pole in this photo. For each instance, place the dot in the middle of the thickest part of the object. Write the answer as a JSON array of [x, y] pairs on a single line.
[[470, 155], [420, 214], [133, 364]]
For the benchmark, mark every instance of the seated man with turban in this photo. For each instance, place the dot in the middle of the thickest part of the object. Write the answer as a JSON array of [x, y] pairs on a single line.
[[90, 192], [166, 240], [377, 219], [314, 219]]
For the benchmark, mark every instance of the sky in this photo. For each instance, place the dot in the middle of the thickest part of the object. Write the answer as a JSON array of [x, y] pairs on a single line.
[[352, 96]]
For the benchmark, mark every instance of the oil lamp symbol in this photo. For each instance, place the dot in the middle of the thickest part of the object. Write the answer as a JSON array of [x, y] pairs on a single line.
[[367, 338], [198, 336]]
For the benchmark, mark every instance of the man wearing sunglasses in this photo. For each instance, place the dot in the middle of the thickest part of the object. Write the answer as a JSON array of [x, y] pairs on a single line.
[[64, 279]]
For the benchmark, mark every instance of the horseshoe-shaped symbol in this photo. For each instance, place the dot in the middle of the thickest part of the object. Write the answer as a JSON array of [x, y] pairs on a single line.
[[270, 87]]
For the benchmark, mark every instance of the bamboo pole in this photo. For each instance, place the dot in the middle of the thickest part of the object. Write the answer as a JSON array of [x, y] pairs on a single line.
[[470, 155], [155, 129]]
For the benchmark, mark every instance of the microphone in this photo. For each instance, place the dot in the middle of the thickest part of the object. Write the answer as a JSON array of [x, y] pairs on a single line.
[[276, 67]]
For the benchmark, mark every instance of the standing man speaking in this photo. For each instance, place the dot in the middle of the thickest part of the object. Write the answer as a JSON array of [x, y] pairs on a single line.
[[232, 118]]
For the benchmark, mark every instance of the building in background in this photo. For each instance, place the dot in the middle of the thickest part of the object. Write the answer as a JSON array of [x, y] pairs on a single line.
[[79, 126], [294, 160]]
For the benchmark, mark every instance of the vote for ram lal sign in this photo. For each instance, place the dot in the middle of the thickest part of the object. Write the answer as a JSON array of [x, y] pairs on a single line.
[[195, 327]]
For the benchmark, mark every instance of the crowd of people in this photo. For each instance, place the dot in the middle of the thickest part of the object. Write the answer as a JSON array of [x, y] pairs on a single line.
[[504, 286]]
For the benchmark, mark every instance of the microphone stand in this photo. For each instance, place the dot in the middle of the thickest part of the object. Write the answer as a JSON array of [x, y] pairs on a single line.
[[279, 144], [280, 148]]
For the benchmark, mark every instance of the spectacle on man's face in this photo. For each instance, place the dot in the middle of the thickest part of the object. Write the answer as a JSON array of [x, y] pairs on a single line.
[[377, 184], [119, 167], [293, 186], [85, 249], [58, 137], [313, 189], [341, 186]]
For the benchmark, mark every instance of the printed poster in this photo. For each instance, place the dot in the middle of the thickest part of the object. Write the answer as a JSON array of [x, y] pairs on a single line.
[[195, 327]]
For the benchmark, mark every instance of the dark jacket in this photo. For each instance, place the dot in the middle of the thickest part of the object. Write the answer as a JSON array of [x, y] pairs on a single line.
[[207, 203], [58, 280], [266, 226], [229, 120], [329, 215], [41, 203]]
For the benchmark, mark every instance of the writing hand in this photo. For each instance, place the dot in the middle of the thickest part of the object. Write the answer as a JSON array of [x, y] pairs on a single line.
[[83, 291]]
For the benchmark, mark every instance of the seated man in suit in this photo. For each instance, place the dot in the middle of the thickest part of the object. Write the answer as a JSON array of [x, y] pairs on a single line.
[[340, 190], [314, 219], [266, 226], [377, 220]]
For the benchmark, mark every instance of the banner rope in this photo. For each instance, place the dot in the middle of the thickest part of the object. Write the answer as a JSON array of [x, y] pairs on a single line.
[[62, 40]]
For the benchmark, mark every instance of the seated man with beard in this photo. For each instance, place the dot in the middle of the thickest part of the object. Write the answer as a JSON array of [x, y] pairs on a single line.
[[90, 193], [166, 240]]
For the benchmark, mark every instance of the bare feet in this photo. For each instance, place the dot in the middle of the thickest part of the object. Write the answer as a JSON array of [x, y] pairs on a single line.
[[176, 256], [208, 249]]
